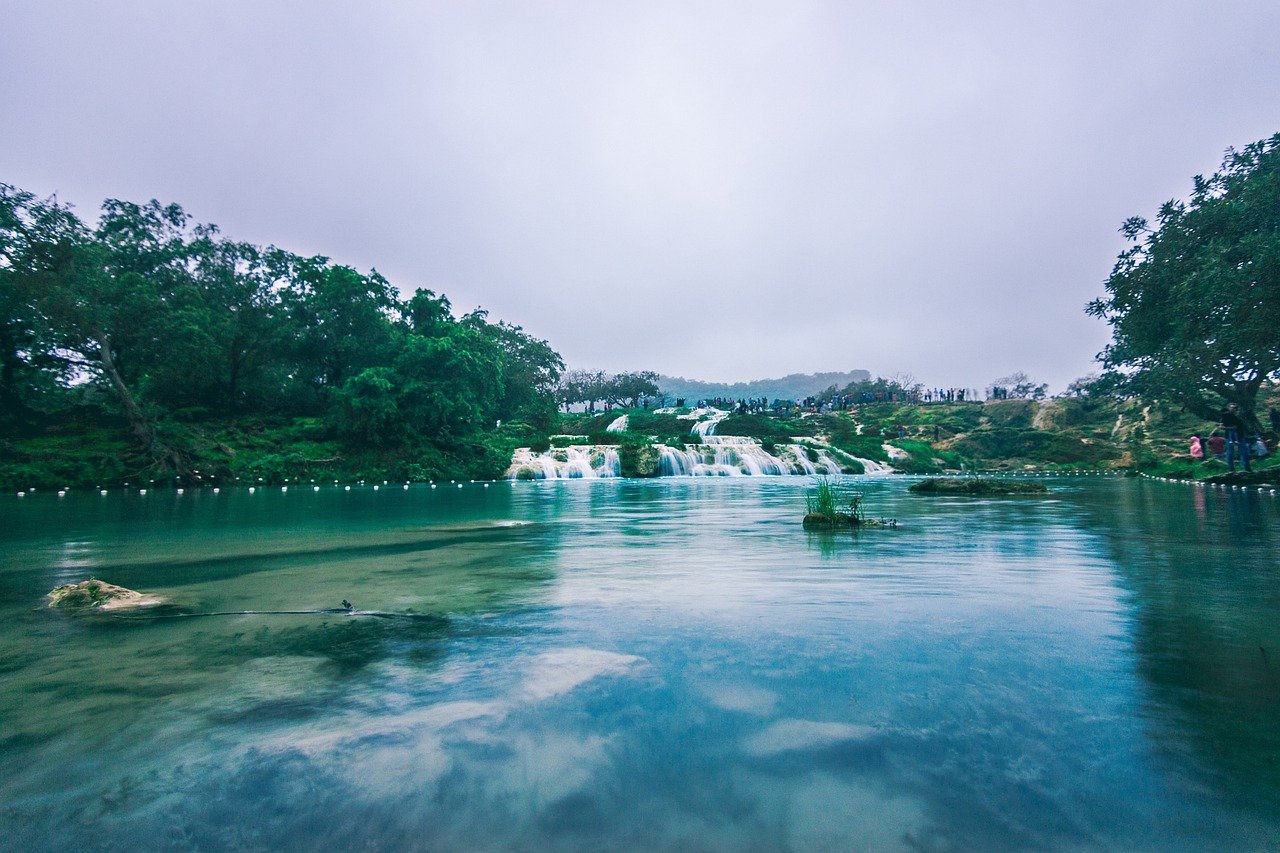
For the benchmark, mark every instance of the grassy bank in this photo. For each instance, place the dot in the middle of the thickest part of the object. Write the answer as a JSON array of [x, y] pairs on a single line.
[[1010, 435], [97, 454]]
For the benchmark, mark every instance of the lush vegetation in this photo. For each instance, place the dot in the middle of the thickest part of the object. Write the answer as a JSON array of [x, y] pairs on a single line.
[[148, 346], [592, 388], [827, 506], [1194, 304]]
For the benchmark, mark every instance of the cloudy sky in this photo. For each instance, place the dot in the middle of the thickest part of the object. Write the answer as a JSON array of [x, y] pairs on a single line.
[[722, 191]]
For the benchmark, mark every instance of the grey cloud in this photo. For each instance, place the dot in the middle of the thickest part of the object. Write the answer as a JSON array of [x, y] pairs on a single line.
[[719, 190]]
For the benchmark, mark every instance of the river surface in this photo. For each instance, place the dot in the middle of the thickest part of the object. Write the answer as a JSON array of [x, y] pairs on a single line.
[[660, 664]]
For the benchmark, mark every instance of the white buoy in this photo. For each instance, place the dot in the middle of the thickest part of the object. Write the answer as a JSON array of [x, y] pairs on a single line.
[[459, 485], [284, 488], [102, 491], [433, 485], [144, 491], [179, 491], [216, 490], [62, 493], [375, 487], [348, 488], [252, 489], [406, 487], [315, 488]]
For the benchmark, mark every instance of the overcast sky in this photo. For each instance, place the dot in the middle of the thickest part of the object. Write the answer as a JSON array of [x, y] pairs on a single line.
[[722, 191]]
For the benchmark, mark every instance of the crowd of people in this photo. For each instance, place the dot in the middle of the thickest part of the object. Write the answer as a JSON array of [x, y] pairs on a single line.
[[840, 402], [1232, 442]]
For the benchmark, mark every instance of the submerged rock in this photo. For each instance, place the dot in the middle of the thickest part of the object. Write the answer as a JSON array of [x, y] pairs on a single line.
[[820, 520], [94, 594], [976, 486]]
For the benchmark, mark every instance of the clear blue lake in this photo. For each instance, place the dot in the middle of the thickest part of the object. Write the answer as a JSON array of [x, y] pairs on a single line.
[[660, 664]]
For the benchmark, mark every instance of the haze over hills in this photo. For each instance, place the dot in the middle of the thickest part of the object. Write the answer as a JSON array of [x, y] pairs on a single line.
[[796, 386]]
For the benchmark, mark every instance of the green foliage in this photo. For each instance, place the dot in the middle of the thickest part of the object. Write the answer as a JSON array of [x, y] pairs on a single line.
[[765, 426], [639, 459], [862, 446], [827, 505], [590, 387], [1010, 444], [157, 320], [1194, 304], [1009, 414]]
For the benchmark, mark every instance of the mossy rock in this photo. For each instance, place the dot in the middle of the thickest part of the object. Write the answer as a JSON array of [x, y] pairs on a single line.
[[94, 594], [639, 460], [843, 520], [977, 486]]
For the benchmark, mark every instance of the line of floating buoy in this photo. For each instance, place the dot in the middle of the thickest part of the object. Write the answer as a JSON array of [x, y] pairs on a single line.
[[253, 489]]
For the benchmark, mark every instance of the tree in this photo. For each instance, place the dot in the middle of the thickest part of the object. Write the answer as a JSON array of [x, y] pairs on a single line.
[[1084, 386], [631, 388], [342, 322], [1194, 304], [1019, 386], [34, 236], [110, 299], [530, 372]]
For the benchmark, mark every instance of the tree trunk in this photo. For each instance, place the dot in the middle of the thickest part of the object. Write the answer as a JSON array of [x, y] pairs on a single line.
[[142, 429]]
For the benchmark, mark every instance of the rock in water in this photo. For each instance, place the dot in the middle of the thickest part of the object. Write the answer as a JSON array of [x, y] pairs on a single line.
[[94, 594]]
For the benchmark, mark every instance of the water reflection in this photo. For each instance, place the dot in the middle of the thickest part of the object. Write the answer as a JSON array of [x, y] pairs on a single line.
[[1203, 569], [672, 664]]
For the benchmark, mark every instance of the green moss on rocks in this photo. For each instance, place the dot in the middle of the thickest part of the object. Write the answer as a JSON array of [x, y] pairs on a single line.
[[94, 594], [976, 486], [639, 460]]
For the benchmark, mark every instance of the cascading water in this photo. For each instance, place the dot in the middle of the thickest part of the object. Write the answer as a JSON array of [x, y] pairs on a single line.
[[736, 456], [617, 425], [872, 468], [586, 462], [703, 456], [707, 426]]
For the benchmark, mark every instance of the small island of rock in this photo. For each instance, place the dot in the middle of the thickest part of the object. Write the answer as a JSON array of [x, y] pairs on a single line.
[[94, 594], [976, 486]]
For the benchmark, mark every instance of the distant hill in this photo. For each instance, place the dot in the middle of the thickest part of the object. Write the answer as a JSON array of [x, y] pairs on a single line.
[[797, 386]]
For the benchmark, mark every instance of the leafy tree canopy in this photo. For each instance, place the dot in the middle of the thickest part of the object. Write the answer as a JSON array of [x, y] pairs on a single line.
[[161, 317], [1194, 304]]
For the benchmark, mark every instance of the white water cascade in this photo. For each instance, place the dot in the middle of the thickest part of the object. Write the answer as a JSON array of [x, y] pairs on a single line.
[[585, 462], [617, 425], [872, 468], [706, 421], [824, 464], [736, 456]]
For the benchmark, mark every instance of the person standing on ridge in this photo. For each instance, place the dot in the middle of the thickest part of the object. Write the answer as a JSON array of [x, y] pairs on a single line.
[[1236, 441]]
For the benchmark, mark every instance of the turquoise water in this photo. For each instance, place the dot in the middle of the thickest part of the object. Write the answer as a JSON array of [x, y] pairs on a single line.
[[662, 664]]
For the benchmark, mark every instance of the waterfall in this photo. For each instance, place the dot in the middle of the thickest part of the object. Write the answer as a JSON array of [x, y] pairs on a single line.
[[802, 459], [618, 425], [678, 463], [584, 462], [721, 456], [704, 428], [610, 465], [827, 461], [714, 456], [872, 468]]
